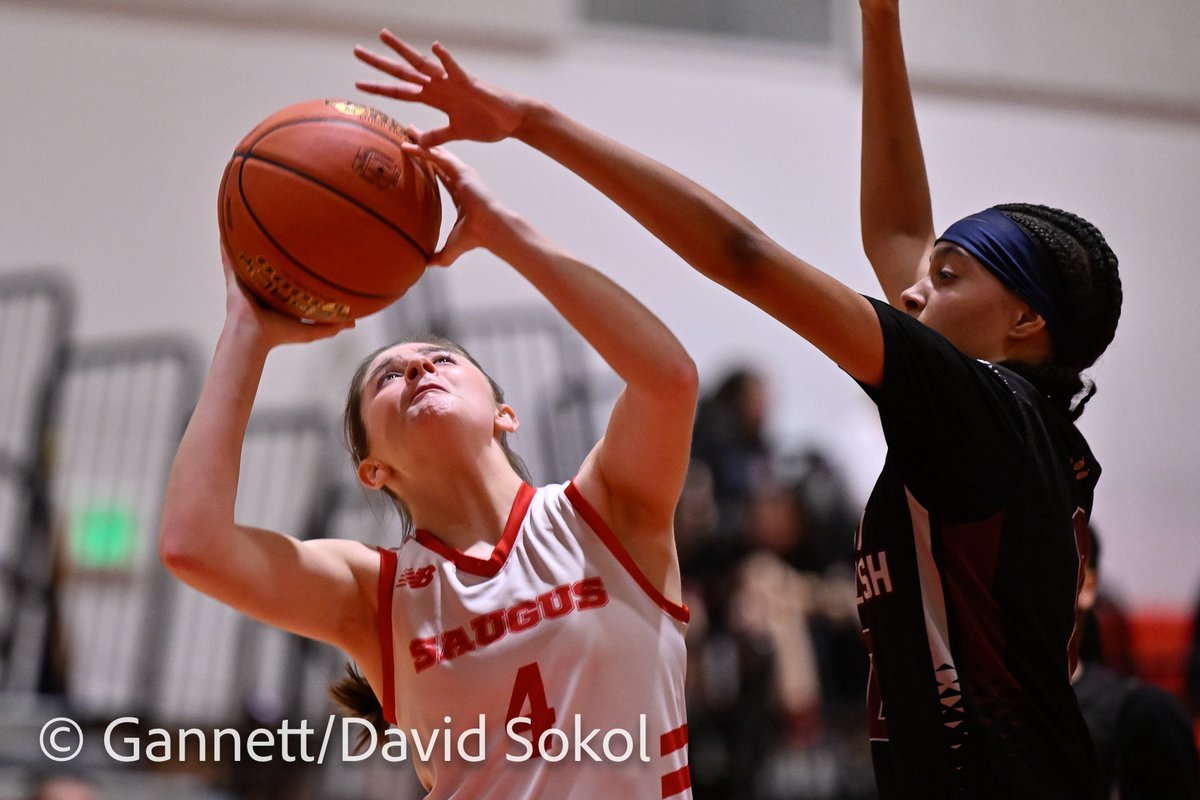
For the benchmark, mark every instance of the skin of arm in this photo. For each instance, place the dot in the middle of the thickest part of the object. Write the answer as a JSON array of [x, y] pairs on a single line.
[[895, 206], [707, 233], [635, 473], [323, 589]]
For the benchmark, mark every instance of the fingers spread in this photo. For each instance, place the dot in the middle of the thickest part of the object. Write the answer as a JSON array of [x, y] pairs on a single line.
[[411, 55], [451, 66], [395, 91], [391, 66]]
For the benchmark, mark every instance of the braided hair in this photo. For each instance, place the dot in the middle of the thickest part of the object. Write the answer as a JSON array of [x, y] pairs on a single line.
[[1087, 269]]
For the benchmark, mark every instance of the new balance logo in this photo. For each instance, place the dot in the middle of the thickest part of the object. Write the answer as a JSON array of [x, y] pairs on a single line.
[[417, 578]]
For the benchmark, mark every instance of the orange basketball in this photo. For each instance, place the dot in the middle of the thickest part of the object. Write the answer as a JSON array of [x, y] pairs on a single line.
[[322, 214]]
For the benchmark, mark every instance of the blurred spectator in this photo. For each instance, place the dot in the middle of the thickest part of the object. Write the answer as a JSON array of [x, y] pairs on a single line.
[[65, 788], [1106, 638], [730, 439], [759, 666], [1193, 670], [829, 514], [774, 647], [1142, 735]]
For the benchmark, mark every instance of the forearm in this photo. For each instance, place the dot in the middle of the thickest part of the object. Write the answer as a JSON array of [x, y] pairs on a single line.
[[634, 474], [706, 232], [630, 339], [198, 507], [895, 206], [716, 240]]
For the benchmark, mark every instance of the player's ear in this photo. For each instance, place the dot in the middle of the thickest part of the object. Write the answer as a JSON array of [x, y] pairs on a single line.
[[1026, 322], [506, 419], [373, 473]]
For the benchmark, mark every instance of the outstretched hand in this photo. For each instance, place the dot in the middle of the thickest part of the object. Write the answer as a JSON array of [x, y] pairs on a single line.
[[271, 327], [477, 111], [482, 221]]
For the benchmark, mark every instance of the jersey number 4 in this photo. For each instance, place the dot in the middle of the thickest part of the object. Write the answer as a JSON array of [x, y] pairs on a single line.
[[529, 701]]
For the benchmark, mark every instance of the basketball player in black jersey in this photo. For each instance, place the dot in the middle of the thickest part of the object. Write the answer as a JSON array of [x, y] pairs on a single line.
[[970, 551]]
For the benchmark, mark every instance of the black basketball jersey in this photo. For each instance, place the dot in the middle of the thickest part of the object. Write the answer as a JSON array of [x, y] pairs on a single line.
[[968, 559]]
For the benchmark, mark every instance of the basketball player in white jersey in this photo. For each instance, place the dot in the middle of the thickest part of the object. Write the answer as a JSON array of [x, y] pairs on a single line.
[[537, 632]]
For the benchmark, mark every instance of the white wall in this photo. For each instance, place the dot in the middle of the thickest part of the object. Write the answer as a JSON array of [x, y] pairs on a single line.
[[115, 131]]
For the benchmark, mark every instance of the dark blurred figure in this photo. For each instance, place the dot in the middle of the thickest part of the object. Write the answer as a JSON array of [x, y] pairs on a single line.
[[1106, 638], [1193, 670], [829, 515], [1142, 735], [730, 440], [775, 653], [714, 685], [759, 645]]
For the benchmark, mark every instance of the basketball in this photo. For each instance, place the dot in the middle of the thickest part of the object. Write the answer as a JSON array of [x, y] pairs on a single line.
[[323, 216]]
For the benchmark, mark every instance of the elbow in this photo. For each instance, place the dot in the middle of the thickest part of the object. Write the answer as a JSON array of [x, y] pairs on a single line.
[[172, 553], [177, 550], [683, 379]]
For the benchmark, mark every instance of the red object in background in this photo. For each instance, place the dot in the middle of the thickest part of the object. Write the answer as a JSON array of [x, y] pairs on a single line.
[[1160, 639]]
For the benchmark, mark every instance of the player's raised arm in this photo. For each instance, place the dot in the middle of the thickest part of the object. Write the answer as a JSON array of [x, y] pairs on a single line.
[[635, 473], [322, 589], [897, 215], [706, 232]]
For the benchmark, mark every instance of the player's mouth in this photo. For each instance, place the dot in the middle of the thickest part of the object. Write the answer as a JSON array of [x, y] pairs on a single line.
[[425, 388]]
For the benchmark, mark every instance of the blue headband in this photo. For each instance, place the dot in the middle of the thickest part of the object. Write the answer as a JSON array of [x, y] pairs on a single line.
[[1012, 255]]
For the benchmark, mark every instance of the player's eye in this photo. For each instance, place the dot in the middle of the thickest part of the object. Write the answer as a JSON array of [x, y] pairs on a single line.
[[443, 358]]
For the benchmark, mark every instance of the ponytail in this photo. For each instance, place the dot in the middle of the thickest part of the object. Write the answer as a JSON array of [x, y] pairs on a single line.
[[356, 697]]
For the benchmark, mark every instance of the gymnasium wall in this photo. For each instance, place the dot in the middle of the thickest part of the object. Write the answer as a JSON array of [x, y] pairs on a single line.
[[115, 130]]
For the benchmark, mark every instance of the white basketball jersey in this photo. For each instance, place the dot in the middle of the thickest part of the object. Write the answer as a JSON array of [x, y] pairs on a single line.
[[560, 628]]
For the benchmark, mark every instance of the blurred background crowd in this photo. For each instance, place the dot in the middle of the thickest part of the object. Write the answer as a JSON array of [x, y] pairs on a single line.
[[94, 630], [121, 116]]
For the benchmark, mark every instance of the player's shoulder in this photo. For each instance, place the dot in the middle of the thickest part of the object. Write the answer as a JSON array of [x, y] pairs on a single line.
[[361, 561], [349, 550]]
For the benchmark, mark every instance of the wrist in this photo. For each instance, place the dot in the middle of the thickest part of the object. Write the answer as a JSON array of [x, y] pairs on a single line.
[[247, 335], [880, 13], [510, 235], [534, 114]]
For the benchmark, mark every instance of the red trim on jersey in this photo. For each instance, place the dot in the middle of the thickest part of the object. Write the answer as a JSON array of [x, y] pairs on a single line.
[[387, 580], [671, 741], [675, 782], [677, 610], [490, 566]]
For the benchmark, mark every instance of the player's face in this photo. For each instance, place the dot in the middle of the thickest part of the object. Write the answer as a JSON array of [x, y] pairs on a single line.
[[417, 386], [960, 299]]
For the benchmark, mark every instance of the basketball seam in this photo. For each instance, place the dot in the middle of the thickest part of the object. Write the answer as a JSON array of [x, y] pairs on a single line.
[[334, 191], [292, 258], [332, 120], [249, 153]]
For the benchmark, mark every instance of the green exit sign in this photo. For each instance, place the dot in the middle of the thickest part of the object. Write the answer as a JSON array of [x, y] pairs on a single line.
[[104, 536]]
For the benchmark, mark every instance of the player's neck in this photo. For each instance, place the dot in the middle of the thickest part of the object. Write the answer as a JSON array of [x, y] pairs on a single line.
[[468, 505]]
